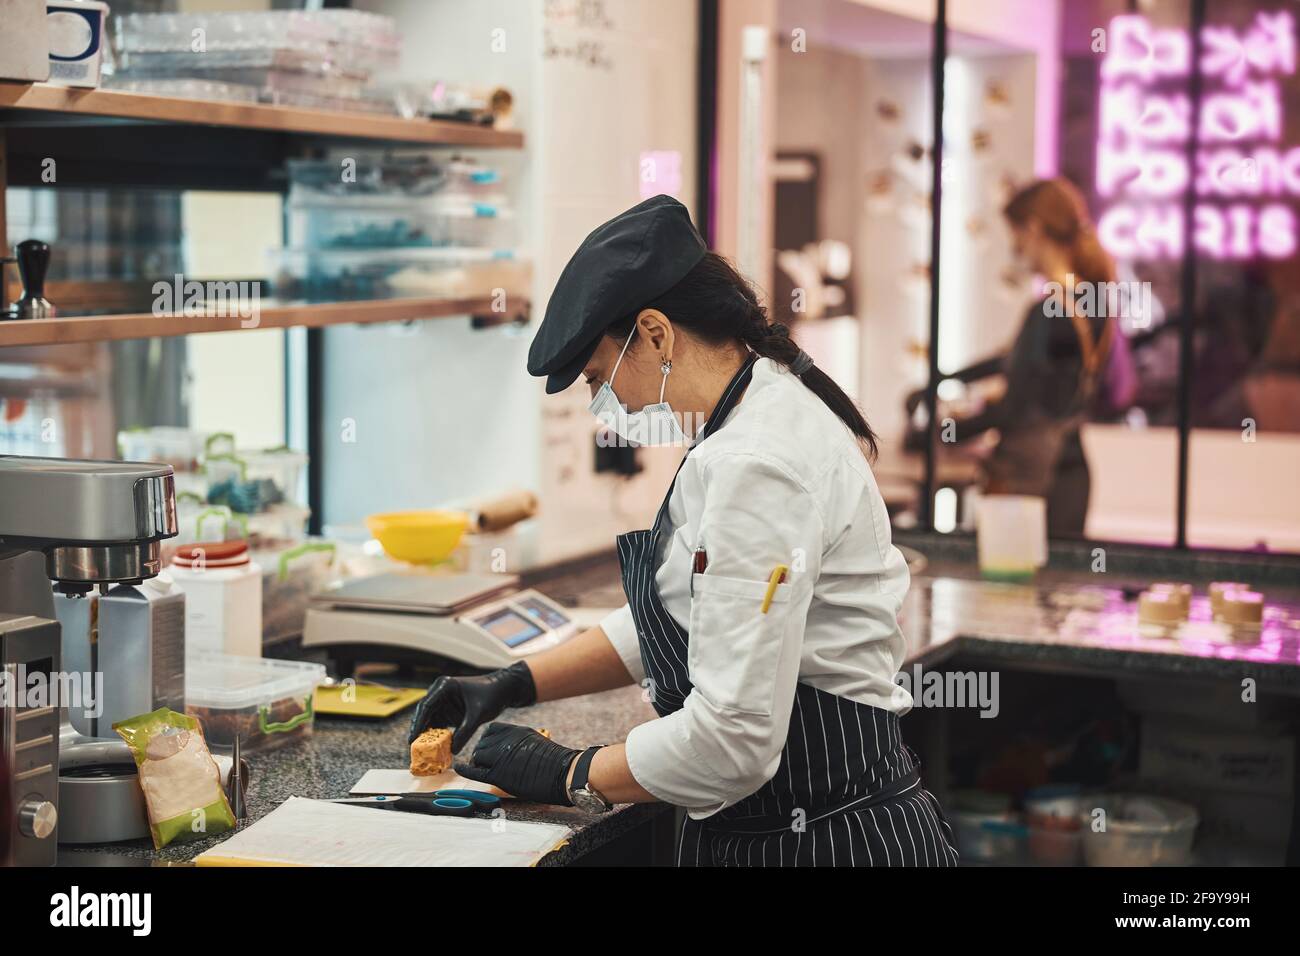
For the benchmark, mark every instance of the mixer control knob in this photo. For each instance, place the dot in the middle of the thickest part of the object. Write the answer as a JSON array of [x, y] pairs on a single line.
[[37, 818]]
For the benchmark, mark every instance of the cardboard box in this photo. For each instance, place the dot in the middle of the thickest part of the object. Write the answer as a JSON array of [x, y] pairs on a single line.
[[24, 41], [1257, 763]]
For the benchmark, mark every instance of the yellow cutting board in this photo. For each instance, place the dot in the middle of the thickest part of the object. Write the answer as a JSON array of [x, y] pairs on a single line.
[[364, 700]]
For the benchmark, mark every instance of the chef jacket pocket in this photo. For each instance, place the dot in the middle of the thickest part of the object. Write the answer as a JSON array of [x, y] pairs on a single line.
[[734, 648]]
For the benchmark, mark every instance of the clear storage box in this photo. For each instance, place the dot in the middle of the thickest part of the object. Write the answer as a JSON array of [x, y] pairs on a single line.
[[396, 179], [266, 703], [350, 39], [368, 223], [182, 448], [279, 526], [1141, 830], [289, 578], [253, 481], [350, 274]]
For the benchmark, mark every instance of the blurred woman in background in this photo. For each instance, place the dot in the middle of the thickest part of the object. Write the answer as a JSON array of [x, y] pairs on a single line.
[[1057, 360]]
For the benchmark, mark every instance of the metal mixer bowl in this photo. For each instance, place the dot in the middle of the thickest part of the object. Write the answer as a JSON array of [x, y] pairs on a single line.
[[99, 792]]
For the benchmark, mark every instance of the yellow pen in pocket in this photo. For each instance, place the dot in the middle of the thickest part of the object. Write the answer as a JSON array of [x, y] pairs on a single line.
[[777, 576]]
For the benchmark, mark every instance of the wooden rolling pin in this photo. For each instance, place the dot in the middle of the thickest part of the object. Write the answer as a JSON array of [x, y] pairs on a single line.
[[500, 512]]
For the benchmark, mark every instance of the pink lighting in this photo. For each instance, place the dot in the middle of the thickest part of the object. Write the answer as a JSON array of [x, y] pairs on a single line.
[[1144, 122], [1138, 50], [660, 172]]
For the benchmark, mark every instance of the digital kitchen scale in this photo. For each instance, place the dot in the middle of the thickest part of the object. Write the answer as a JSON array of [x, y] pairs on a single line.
[[479, 620]]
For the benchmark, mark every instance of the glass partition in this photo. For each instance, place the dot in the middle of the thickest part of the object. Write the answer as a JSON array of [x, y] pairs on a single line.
[[1244, 403]]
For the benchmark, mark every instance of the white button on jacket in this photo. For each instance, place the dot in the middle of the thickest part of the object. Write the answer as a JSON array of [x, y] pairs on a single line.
[[782, 482]]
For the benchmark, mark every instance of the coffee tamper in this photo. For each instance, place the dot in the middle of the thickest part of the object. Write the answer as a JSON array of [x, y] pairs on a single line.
[[6, 311], [33, 263]]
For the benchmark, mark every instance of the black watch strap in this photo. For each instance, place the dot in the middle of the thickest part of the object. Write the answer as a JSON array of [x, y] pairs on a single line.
[[582, 768]]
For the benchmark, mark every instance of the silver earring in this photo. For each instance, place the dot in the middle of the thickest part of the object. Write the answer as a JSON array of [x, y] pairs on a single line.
[[665, 366]]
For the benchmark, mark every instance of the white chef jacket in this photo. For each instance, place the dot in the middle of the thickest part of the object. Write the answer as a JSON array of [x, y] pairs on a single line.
[[784, 482]]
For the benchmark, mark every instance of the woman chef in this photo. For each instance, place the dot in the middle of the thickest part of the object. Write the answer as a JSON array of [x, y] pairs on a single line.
[[761, 606]]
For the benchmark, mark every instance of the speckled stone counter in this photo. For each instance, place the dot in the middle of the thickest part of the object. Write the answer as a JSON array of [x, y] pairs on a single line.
[[338, 752], [1067, 623], [1068, 620]]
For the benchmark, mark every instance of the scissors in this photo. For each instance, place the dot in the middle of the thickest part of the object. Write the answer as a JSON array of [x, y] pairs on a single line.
[[442, 803]]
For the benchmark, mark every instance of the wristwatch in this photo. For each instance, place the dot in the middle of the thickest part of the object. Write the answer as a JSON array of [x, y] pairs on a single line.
[[581, 793]]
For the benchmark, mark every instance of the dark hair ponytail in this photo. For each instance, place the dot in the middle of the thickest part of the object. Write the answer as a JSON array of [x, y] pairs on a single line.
[[717, 305]]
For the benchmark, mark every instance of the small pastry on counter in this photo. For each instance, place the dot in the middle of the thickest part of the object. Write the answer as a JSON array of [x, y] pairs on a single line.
[[1182, 592], [1218, 589], [1241, 608], [1163, 608], [431, 752]]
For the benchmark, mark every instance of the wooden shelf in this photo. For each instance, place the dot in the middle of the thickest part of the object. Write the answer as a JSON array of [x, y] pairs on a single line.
[[108, 328], [42, 100]]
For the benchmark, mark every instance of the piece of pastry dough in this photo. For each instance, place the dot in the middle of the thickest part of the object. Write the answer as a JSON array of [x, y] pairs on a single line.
[[1160, 607], [1218, 589], [431, 752], [1181, 592], [1242, 608]]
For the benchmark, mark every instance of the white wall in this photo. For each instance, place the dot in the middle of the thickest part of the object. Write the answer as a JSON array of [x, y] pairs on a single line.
[[441, 411], [597, 123], [444, 412], [236, 379], [893, 249], [979, 313]]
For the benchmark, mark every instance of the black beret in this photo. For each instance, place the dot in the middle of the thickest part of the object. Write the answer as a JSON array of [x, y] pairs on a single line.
[[624, 264]]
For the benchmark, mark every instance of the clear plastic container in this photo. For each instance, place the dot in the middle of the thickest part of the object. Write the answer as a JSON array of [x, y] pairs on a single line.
[[1053, 845], [367, 224], [290, 576], [267, 703], [185, 88], [212, 64], [395, 179], [353, 39], [278, 527], [1055, 815], [182, 448], [1141, 830], [473, 178], [251, 481], [338, 275], [989, 837]]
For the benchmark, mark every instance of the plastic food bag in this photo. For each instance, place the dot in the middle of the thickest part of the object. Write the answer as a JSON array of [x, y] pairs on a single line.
[[181, 782]]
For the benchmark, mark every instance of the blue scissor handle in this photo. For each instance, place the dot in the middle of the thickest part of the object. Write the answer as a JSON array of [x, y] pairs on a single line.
[[439, 806], [485, 800]]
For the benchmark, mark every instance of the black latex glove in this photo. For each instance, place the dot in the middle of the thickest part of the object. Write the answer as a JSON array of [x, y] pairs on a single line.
[[521, 762], [466, 703]]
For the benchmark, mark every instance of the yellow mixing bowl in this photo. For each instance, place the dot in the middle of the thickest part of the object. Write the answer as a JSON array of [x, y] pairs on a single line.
[[420, 537]]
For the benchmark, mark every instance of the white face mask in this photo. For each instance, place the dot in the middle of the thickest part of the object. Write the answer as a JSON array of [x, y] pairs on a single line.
[[655, 424]]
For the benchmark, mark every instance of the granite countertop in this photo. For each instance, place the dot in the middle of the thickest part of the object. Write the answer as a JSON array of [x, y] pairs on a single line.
[[333, 757], [1064, 622], [1067, 620]]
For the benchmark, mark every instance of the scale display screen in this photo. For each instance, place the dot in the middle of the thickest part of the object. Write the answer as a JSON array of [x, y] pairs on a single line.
[[509, 627], [539, 610]]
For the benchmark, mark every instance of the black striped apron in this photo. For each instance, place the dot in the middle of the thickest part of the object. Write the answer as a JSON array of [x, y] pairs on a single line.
[[847, 791]]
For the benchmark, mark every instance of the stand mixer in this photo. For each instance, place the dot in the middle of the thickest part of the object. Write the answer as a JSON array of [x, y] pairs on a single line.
[[82, 525]]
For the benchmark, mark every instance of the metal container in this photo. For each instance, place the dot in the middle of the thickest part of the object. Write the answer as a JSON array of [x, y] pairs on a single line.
[[29, 742], [134, 636]]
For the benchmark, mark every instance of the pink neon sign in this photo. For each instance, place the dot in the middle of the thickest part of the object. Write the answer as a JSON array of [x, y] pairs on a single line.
[[1245, 177]]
